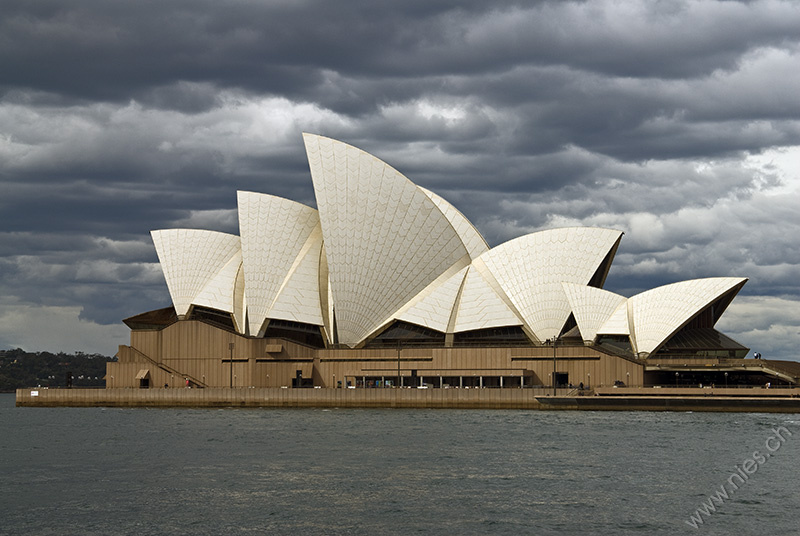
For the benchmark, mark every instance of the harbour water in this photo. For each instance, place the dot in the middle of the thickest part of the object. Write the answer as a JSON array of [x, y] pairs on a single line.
[[394, 471]]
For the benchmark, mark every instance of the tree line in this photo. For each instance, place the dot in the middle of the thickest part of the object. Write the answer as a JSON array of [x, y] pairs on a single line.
[[19, 368]]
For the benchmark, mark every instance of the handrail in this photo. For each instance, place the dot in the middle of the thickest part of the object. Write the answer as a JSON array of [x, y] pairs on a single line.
[[780, 371], [167, 368]]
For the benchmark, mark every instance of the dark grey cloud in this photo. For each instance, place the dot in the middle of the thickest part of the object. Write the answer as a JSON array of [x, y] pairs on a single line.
[[676, 122]]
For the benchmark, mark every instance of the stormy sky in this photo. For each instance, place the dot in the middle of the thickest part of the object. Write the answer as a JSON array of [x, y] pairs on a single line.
[[677, 122]]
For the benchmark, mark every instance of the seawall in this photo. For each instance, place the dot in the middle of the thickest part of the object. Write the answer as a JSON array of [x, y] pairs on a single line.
[[394, 398], [673, 403], [282, 398]]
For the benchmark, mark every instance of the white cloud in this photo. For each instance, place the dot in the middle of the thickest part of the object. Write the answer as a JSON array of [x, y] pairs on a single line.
[[784, 162], [767, 324]]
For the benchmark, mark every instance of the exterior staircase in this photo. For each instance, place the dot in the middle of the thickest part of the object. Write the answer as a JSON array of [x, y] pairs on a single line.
[[166, 368]]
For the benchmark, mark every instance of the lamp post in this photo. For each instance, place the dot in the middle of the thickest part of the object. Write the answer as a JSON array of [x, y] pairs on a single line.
[[555, 340], [230, 347], [398, 364], [548, 341], [676, 379], [628, 381], [726, 380]]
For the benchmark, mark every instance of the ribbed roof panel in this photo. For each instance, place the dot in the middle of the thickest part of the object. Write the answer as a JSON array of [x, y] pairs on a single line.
[[385, 240], [531, 268], [190, 260], [592, 307], [274, 231], [661, 312], [472, 239]]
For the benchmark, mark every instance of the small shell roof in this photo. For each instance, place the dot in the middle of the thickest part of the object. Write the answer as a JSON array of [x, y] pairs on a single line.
[[658, 313], [194, 264], [275, 232], [592, 307]]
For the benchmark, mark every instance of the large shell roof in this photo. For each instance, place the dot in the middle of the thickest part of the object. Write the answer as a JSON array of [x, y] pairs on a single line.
[[379, 248], [385, 239]]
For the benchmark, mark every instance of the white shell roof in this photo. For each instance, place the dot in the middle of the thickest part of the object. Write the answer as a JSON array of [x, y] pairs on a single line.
[[274, 233], [473, 240], [592, 307], [382, 248], [531, 268], [658, 313], [218, 292], [617, 323], [480, 305], [433, 306], [385, 240], [299, 299], [198, 263]]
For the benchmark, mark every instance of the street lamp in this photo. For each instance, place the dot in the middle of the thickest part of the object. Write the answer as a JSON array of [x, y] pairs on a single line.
[[676, 379], [399, 347], [548, 341], [628, 381], [726, 380], [230, 347]]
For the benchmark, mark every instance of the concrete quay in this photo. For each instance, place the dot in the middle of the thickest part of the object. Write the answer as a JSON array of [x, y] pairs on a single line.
[[282, 398], [531, 399]]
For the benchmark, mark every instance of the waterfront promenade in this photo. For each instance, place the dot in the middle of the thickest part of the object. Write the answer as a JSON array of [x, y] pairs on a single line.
[[763, 400]]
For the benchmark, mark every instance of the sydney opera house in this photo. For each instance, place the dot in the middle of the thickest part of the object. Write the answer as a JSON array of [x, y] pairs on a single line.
[[386, 284]]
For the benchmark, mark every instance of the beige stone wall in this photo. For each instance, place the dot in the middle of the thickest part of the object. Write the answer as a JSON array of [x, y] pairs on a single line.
[[202, 352], [278, 397]]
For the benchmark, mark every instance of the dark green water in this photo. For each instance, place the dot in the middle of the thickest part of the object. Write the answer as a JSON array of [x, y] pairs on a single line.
[[265, 471]]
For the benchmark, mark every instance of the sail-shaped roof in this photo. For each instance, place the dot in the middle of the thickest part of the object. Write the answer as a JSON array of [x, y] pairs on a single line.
[[659, 313], [530, 270], [385, 239], [379, 249], [198, 263], [592, 307], [274, 232]]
